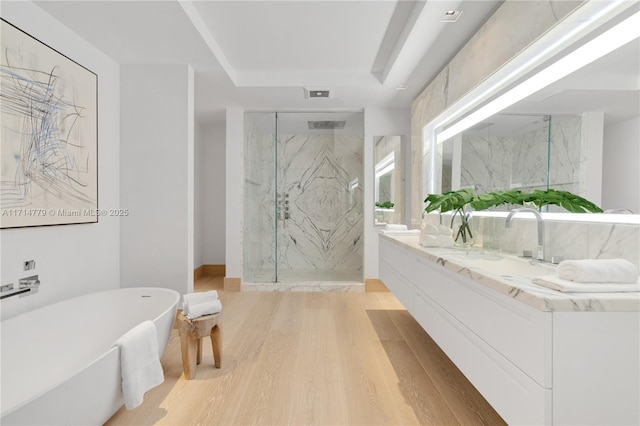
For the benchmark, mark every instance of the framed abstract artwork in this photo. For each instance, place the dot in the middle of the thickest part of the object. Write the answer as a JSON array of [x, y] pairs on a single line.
[[49, 139]]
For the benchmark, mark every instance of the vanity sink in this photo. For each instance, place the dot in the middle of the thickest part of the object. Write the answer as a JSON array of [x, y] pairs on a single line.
[[507, 265], [474, 255]]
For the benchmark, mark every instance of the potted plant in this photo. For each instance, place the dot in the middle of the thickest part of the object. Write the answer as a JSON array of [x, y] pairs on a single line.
[[458, 201]]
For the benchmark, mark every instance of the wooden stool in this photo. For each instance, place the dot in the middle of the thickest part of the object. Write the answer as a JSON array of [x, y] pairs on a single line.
[[191, 333]]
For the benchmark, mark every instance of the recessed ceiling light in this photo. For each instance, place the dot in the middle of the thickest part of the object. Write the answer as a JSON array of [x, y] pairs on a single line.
[[451, 16]]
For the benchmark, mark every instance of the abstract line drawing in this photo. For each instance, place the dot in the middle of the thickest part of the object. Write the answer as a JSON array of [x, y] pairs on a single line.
[[48, 161]]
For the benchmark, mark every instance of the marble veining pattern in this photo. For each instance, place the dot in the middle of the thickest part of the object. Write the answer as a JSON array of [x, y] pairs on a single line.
[[322, 176], [510, 29], [319, 179], [499, 162], [521, 288]]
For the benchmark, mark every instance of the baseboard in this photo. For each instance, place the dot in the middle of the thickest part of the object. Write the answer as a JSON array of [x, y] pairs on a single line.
[[232, 284], [198, 272], [215, 270], [372, 285], [209, 271]]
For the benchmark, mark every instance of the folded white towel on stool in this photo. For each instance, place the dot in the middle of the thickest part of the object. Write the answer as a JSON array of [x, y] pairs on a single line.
[[208, 307], [202, 296], [139, 363], [598, 271], [556, 283]]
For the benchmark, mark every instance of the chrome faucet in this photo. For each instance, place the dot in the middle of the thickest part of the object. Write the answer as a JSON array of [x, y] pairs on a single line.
[[29, 282], [538, 216]]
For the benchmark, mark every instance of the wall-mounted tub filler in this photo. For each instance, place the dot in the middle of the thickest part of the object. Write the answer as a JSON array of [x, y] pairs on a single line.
[[25, 285]]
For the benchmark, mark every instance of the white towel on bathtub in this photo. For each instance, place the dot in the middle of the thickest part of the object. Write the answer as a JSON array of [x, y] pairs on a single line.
[[208, 307], [139, 363]]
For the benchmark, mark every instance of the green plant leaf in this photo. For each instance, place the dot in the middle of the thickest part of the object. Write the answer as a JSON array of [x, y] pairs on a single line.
[[448, 201]]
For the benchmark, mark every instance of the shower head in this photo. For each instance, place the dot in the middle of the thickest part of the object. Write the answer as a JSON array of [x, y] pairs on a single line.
[[326, 125]]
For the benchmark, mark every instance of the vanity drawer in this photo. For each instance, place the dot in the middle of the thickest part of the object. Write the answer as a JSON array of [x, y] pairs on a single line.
[[400, 259], [513, 394], [521, 333], [402, 289]]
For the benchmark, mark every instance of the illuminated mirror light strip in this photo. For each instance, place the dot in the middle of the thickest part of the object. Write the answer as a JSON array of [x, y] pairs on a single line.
[[612, 39]]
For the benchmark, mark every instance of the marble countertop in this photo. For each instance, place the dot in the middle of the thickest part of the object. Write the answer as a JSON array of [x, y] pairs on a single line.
[[519, 287]]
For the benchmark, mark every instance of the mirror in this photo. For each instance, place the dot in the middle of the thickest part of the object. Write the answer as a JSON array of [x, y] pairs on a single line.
[[580, 134], [389, 175]]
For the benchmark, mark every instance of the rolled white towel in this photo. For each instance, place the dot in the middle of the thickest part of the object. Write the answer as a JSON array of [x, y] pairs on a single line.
[[204, 308], [598, 271], [203, 296], [395, 227]]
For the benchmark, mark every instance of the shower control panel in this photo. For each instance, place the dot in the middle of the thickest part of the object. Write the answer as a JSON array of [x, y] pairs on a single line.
[[283, 207]]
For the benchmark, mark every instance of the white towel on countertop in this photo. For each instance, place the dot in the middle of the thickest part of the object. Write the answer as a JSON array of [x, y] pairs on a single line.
[[208, 307], [598, 271], [430, 229], [202, 296], [139, 363], [556, 283], [395, 227], [427, 240], [400, 232]]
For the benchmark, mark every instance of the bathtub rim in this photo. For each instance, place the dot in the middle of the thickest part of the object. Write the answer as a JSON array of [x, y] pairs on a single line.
[[170, 310]]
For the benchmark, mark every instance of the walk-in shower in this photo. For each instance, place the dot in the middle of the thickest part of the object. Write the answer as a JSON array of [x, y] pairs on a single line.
[[303, 212]]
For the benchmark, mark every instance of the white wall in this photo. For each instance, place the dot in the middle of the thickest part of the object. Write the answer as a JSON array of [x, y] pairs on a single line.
[[213, 187], [620, 166], [157, 171], [198, 197], [71, 260], [234, 191], [380, 122]]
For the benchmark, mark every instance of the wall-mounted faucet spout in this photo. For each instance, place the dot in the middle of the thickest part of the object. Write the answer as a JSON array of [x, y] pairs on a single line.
[[540, 220]]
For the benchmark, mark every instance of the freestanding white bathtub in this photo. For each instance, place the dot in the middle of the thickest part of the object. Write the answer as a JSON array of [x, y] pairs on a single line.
[[59, 365]]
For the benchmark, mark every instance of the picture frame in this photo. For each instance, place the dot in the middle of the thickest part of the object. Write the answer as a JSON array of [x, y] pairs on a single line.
[[49, 139]]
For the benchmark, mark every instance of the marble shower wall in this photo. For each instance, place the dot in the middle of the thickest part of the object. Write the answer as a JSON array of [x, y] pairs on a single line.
[[259, 216], [322, 175], [505, 34]]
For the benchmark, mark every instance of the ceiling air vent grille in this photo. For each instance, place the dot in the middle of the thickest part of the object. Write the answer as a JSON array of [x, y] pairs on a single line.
[[326, 125], [317, 92]]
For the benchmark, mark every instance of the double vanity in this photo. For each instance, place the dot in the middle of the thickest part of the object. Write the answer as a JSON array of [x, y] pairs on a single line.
[[537, 355]]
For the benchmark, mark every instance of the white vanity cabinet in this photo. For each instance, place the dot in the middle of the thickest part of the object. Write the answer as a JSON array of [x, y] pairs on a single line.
[[533, 366]]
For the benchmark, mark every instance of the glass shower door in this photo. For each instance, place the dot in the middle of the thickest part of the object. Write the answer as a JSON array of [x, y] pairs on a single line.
[[303, 212], [319, 195], [259, 230]]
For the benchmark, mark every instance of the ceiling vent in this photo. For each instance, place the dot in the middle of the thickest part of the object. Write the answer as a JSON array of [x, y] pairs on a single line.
[[326, 125], [312, 93]]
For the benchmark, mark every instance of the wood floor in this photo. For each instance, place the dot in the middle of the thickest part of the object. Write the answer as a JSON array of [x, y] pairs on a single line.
[[313, 358]]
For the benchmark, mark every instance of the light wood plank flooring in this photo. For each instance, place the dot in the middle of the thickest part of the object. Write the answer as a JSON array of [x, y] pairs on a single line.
[[313, 358]]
